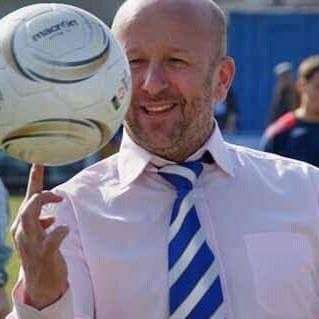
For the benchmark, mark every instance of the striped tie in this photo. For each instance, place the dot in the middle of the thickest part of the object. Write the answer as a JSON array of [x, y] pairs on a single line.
[[194, 282]]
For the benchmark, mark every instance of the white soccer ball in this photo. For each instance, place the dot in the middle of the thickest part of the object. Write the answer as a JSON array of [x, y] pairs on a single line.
[[65, 84]]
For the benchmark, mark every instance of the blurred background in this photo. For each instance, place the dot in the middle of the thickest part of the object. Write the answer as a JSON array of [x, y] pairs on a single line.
[[267, 38]]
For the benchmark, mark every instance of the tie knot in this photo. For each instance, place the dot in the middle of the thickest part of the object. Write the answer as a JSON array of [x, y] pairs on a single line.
[[182, 176]]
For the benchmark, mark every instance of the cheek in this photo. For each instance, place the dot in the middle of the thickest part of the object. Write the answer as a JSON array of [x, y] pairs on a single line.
[[136, 79], [184, 77], [187, 84], [131, 115]]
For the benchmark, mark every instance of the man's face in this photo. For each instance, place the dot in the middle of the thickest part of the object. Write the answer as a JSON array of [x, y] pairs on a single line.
[[170, 55]]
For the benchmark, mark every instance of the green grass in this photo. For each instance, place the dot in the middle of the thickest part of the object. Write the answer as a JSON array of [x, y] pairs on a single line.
[[13, 265]]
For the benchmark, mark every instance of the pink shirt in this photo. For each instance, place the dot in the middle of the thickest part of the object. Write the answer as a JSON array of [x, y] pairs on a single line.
[[259, 212]]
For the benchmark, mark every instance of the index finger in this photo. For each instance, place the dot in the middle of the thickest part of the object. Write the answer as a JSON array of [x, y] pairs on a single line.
[[35, 182]]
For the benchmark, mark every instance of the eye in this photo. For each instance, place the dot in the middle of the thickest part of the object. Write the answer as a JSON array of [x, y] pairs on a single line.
[[136, 61], [175, 61]]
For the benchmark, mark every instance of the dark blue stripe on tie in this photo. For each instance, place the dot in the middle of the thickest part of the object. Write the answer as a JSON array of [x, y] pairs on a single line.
[[209, 303], [187, 231], [195, 166], [177, 204], [189, 278], [178, 181]]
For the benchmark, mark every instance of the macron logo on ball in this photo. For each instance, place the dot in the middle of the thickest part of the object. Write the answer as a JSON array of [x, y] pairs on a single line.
[[65, 24]]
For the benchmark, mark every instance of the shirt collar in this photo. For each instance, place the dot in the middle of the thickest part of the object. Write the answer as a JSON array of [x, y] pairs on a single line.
[[133, 159]]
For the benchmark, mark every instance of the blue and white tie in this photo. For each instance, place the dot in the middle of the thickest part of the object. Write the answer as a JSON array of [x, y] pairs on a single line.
[[194, 284]]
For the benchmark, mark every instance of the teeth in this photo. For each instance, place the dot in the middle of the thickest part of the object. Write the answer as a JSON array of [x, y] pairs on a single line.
[[160, 108]]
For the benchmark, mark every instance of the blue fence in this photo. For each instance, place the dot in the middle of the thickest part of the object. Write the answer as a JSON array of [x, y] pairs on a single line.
[[258, 41]]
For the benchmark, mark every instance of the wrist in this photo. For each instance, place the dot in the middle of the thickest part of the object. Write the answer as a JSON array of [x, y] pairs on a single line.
[[42, 300]]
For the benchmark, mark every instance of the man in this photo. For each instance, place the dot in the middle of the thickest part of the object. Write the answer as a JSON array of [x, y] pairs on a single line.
[[284, 93], [178, 224], [295, 134]]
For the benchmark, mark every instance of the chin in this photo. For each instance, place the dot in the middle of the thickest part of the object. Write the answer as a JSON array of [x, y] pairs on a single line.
[[157, 146]]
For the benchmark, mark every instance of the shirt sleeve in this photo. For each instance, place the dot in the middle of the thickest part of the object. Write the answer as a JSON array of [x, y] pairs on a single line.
[[62, 309], [78, 301]]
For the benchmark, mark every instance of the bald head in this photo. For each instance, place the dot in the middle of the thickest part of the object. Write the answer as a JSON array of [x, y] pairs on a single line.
[[206, 16], [176, 50]]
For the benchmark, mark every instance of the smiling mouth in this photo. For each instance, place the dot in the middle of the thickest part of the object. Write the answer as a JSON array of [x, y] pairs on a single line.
[[158, 109]]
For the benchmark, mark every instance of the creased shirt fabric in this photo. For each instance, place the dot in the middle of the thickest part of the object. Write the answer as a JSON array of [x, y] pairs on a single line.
[[259, 212]]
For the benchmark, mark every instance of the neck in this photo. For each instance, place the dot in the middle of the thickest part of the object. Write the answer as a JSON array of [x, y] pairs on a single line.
[[182, 150], [306, 112]]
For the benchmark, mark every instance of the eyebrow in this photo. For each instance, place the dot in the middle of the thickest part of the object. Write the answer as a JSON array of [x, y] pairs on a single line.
[[133, 51]]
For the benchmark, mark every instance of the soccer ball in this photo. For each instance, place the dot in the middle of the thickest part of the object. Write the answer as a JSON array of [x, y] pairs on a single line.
[[65, 84]]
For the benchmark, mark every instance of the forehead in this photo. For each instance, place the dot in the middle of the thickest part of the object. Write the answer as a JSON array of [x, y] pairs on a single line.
[[158, 26]]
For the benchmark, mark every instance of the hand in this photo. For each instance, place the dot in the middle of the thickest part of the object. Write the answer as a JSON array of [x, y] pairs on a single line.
[[45, 271], [4, 304]]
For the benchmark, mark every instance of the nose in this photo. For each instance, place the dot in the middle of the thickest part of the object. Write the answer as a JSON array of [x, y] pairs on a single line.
[[155, 80]]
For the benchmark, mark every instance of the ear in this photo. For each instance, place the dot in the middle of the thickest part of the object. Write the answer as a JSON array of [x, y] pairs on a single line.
[[223, 78]]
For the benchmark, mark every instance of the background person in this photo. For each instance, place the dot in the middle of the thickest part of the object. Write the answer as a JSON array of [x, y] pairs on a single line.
[[284, 98], [132, 227], [296, 133]]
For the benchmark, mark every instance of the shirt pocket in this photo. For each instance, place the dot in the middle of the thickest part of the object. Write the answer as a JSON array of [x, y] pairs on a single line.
[[284, 274]]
